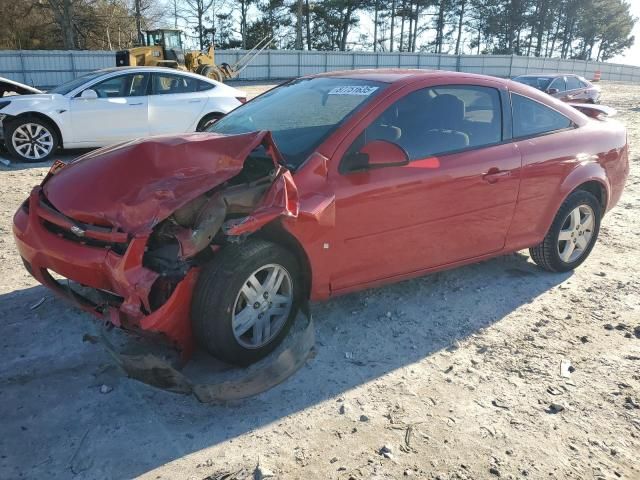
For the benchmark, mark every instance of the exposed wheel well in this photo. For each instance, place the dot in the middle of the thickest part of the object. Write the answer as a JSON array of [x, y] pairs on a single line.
[[275, 233], [42, 116], [206, 117], [596, 189]]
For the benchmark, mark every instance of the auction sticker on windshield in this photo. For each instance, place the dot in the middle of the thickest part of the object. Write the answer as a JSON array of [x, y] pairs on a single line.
[[353, 90]]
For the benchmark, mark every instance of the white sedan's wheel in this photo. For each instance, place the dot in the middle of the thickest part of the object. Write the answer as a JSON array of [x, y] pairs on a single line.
[[31, 139]]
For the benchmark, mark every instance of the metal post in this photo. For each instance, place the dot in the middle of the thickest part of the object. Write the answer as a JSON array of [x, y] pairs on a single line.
[[511, 67], [299, 59], [73, 64], [23, 71], [268, 65]]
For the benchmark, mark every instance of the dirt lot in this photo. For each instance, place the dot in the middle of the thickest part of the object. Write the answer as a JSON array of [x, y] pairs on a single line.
[[450, 376]]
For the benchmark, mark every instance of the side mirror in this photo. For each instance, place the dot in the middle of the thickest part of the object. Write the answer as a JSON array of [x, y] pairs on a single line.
[[552, 91], [88, 94], [376, 154]]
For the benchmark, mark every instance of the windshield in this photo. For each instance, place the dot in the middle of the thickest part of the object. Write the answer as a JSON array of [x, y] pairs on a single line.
[[73, 84], [541, 83], [172, 40], [300, 114]]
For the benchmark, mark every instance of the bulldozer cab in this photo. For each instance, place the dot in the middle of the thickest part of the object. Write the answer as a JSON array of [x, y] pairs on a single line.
[[165, 38], [170, 42]]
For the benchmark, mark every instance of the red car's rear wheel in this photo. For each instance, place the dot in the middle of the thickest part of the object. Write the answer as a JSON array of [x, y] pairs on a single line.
[[572, 235]]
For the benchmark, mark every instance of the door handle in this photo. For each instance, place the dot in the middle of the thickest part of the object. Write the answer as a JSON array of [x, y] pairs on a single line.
[[494, 174], [195, 101], [134, 104]]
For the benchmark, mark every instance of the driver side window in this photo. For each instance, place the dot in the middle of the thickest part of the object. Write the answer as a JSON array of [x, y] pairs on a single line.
[[558, 84], [438, 120], [131, 85]]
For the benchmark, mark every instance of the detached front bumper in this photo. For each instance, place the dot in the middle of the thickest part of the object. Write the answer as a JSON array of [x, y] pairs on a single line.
[[111, 270]]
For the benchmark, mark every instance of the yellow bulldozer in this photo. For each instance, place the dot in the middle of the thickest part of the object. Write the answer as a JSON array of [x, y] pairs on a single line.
[[163, 48]]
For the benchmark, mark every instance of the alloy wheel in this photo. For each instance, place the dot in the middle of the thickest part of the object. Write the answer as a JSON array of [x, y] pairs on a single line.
[[576, 233], [32, 141], [262, 306]]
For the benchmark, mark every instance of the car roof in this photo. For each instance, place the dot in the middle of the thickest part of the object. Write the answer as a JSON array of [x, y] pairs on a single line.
[[400, 75], [143, 69], [550, 75]]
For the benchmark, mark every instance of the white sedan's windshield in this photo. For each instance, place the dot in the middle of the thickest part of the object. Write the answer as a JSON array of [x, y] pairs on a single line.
[[75, 83], [300, 114]]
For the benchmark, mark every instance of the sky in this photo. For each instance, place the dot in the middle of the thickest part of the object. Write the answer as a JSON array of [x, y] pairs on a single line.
[[632, 55]]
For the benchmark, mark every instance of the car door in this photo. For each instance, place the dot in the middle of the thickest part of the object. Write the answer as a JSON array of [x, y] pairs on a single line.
[[175, 105], [453, 201], [549, 154], [118, 114], [575, 90], [559, 86]]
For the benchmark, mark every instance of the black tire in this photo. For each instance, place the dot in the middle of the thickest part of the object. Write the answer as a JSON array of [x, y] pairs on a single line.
[[16, 124], [212, 72], [207, 120], [547, 254], [217, 289]]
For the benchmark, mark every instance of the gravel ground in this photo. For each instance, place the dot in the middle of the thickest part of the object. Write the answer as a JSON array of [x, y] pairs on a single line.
[[456, 375]]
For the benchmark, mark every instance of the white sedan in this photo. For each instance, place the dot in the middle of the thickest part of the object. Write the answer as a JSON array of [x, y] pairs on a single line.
[[110, 106]]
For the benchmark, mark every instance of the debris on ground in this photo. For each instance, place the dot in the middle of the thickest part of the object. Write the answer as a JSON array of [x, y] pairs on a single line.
[[566, 369], [104, 389], [386, 451], [262, 472], [555, 408], [38, 303]]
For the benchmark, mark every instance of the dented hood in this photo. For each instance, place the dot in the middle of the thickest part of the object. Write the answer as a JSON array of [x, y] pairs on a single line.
[[133, 186]]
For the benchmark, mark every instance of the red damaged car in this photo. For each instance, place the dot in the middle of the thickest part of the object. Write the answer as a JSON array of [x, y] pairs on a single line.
[[325, 185]]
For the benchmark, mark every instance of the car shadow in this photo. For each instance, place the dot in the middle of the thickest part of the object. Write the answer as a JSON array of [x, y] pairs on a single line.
[[9, 163], [63, 397]]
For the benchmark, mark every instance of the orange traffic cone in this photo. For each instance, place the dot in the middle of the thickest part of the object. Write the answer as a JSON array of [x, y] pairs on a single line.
[[596, 76]]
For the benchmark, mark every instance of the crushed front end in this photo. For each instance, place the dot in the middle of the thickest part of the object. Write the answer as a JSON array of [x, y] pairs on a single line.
[[131, 253]]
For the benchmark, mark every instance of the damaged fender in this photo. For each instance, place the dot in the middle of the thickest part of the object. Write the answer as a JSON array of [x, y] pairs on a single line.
[[195, 187]]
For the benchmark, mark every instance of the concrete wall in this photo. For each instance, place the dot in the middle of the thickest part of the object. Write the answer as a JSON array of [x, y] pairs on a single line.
[[47, 68]]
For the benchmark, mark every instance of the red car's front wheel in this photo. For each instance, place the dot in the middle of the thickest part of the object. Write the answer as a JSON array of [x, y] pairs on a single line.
[[245, 301]]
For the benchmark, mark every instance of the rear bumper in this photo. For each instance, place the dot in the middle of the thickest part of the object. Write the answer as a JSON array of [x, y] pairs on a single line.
[[119, 281]]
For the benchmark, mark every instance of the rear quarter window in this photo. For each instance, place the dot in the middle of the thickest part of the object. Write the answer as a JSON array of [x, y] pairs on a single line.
[[531, 118], [202, 86]]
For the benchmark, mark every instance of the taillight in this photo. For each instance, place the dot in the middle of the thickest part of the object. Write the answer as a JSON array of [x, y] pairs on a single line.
[[242, 99]]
